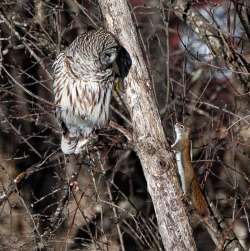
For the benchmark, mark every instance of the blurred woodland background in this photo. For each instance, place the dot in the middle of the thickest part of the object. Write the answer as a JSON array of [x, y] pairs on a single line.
[[199, 60]]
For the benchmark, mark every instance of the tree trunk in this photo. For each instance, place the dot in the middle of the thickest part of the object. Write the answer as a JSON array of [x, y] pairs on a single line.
[[157, 159]]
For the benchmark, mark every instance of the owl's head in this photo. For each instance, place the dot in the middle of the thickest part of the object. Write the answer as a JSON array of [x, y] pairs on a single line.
[[108, 56], [96, 50]]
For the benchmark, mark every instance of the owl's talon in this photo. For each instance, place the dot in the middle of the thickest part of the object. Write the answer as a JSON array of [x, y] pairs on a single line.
[[81, 145]]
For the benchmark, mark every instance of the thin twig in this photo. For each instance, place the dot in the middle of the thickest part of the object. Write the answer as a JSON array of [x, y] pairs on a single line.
[[113, 208]]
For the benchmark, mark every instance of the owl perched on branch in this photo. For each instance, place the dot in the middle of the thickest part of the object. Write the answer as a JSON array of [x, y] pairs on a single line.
[[83, 80]]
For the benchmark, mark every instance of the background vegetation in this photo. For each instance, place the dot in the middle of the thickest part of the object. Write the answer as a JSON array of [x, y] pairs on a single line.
[[199, 60]]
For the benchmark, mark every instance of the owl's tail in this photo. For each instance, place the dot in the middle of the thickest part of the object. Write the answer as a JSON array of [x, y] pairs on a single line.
[[73, 145], [68, 145]]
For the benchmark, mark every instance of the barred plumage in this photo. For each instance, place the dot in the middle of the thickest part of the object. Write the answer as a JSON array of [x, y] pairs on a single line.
[[83, 80]]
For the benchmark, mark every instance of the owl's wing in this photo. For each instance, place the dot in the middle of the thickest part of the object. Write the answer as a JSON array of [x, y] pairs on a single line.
[[68, 144], [61, 122]]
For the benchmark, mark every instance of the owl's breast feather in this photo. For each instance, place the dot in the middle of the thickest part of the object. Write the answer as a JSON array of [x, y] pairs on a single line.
[[84, 105]]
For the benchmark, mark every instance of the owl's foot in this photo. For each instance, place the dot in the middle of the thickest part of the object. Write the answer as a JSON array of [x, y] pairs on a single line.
[[81, 145]]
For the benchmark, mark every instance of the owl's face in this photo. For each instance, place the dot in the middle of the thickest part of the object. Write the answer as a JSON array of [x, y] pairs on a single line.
[[108, 56], [94, 51]]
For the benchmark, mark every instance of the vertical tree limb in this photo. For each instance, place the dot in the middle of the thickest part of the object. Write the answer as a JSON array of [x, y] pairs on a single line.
[[157, 160]]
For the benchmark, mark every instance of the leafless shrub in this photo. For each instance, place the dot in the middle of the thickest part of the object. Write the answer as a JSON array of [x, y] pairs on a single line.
[[198, 55]]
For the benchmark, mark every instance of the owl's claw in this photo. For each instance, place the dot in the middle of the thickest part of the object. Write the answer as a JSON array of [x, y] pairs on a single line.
[[81, 144]]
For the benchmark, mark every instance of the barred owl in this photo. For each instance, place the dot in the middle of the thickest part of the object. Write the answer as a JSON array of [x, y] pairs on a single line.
[[83, 80]]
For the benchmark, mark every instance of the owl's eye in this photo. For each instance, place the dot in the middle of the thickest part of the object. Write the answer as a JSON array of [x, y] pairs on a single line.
[[108, 56]]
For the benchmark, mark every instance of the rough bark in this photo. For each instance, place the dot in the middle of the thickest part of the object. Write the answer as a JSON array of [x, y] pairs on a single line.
[[157, 160]]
